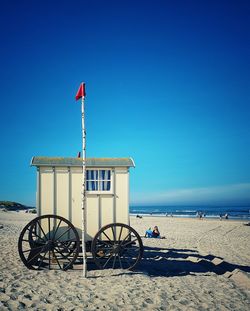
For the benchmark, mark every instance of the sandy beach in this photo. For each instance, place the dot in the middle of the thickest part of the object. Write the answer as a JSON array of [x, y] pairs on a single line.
[[200, 265]]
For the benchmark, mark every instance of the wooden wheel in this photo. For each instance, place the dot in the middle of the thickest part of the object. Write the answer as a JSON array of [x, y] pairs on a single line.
[[117, 246], [49, 242]]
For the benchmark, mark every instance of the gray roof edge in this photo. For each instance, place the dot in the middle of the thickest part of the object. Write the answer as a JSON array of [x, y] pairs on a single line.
[[72, 162], [132, 160], [31, 162]]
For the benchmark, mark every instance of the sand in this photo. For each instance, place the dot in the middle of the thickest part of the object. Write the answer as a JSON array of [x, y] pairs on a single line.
[[200, 265]]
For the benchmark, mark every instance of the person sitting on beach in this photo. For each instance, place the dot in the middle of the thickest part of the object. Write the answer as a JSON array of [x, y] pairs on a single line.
[[148, 233], [155, 233]]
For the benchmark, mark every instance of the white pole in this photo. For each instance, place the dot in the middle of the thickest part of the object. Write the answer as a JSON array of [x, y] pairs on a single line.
[[84, 268]]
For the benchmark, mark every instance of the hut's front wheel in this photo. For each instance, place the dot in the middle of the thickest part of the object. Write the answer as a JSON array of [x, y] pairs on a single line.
[[49, 242], [117, 245]]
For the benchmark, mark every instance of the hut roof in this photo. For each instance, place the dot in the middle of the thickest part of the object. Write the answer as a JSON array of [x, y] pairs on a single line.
[[90, 162]]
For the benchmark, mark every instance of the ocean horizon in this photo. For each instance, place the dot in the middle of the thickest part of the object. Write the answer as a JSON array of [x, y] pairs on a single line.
[[233, 212]]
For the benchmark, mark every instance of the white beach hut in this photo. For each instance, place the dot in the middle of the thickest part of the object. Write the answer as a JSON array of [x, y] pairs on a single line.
[[87, 198], [59, 186]]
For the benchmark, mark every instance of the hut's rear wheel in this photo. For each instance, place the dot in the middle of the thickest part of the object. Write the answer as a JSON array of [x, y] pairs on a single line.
[[49, 242], [117, 245]]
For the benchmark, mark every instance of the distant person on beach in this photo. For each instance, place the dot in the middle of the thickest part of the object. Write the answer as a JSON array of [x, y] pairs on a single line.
[[226, 216], [199, 215]]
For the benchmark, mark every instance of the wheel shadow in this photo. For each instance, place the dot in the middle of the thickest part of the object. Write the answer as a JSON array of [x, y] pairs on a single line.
[[180, 262]]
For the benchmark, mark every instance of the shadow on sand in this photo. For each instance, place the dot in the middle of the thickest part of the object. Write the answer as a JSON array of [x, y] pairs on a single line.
[[171, 262], [179, 262]]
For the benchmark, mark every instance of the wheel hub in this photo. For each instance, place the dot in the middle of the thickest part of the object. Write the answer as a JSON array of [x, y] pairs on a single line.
[[49, 245], [116, 248]]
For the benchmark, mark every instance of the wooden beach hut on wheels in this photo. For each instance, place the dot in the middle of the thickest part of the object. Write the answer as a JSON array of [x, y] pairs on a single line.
[[53, 239], [79, 197]]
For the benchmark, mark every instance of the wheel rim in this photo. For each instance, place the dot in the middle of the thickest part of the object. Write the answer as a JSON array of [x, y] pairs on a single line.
[[117, 246], [49, 242]]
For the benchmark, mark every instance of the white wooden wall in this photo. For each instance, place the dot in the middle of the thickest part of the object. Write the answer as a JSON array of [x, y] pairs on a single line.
[[59, 193]]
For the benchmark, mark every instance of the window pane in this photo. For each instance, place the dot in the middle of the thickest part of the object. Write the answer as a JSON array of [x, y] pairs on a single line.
[[104, 174], [108, 185], [92, 174], [104, 185], [92, 185], [95, 174], [108, 175]]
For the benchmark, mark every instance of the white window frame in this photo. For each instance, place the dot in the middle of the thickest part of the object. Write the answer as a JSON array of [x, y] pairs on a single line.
[[101, 191]]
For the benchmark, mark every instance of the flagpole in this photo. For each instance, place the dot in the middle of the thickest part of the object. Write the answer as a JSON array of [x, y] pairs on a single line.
[[84, 268]]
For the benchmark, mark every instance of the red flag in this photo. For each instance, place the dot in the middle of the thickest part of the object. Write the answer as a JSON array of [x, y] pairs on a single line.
[[81, 91]]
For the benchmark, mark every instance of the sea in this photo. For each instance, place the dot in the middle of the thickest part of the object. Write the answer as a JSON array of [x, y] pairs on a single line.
[[233, 212]]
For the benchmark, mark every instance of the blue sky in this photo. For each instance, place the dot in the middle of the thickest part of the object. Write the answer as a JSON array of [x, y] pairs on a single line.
[[167, 84]]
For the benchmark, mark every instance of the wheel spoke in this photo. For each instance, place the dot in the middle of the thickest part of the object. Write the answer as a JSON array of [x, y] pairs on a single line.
[[37, 254], [49, 259], [36, 235], [57, 239], [32, 249], [64, 247], [114, 261], [108, 260], [112, 228], [107, 236], [125, 238], [120, 234], [65, 257], [129, 263], [57, 229], [56, 259], [66, 241], [42, 231], [25, 240], [40, 263], [103, 242], [128, 243], [120, 261]]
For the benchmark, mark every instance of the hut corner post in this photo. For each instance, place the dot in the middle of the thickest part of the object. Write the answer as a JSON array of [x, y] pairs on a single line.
[[83, 191]]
